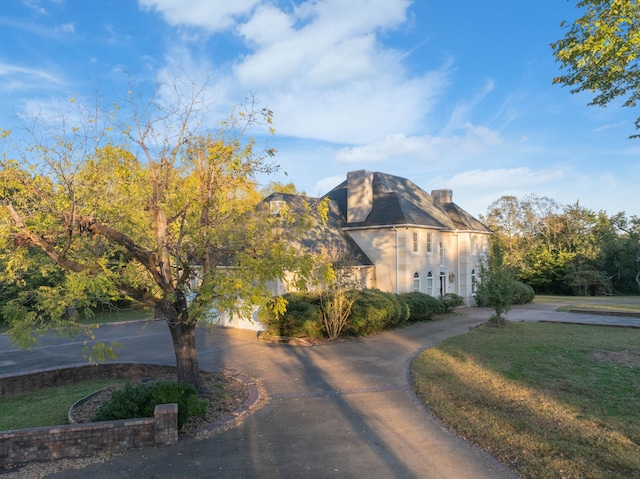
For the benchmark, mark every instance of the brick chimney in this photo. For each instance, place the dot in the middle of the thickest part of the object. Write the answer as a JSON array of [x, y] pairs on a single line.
[[359, 195]]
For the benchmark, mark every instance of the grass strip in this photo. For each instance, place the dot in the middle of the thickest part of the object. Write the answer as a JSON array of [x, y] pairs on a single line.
[[46, 407], [549, 400]]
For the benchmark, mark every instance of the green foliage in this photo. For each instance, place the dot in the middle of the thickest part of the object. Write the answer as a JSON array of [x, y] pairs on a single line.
[[371, 311], [150, 224], [300, 319], [374, 311], [523, 293], [451, 301], [567, 249], [600, 52], [335, 307], [141, 400], [422, 307], [497, 286]]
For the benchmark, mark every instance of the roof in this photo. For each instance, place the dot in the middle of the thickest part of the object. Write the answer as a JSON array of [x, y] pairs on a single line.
[[399, 201], [329, 236]]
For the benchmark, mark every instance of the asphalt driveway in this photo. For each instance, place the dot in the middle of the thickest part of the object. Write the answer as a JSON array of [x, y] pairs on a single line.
[[344, 409]]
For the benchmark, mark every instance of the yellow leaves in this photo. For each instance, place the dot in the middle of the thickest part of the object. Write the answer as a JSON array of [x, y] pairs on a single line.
[[4, 133]]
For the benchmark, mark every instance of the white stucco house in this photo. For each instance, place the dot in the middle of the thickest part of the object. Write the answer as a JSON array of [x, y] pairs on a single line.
[[398, 237]]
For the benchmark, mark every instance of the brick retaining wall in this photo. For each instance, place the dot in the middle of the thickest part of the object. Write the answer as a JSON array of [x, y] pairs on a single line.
[[12, 385], [75, 440]]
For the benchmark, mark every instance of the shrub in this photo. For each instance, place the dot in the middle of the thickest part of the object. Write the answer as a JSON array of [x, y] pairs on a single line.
[[374, 311], [450, 301], [422, 307], [141, 400], [301, 319], [523, 293]]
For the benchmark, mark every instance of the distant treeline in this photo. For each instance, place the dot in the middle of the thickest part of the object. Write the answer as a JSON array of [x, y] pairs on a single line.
[[567, 249]]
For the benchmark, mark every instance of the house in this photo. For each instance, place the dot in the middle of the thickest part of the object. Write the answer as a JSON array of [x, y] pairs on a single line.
[[396, 237]]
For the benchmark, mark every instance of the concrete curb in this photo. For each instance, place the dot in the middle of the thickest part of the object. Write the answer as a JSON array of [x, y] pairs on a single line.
[[256, 399]]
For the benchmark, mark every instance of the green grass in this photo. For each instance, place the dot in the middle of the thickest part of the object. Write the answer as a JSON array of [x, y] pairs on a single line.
[[593, 303], [106, 316], [532, 395], [47, 407]]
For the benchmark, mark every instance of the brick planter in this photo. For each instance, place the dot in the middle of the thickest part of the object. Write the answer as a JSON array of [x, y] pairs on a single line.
[[76, 440]]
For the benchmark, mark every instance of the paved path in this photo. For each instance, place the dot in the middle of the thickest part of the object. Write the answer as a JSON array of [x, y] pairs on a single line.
[[338, 410]]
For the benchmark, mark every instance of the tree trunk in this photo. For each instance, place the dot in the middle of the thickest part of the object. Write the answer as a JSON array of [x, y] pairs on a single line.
[[183, 334]]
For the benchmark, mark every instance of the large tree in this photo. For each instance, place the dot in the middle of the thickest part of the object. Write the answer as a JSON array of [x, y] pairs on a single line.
[[600, 52], [158, 208]]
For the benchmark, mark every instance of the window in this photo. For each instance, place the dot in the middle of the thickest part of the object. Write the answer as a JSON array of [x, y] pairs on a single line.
[[416, 281], [416, 242], [442, 254], [474, 280], [276, 207], [429, 242], [430, 283]]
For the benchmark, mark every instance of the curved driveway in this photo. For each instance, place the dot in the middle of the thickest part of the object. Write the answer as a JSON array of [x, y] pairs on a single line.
[[339, 410]]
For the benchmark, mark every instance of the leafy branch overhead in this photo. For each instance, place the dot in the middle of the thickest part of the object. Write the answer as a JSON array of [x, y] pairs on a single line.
[[600, 52]]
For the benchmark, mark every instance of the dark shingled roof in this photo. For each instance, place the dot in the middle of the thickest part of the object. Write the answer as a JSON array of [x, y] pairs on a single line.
[[330, 235], [399, 201]]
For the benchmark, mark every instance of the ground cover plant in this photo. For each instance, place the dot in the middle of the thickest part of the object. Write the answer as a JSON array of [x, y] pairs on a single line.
[[141, 400], [549, 400], [47, 407]]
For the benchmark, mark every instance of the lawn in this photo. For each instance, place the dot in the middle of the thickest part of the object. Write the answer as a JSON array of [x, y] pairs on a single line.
[[549, 400], [47, 407], [628, 304], [106, 316]]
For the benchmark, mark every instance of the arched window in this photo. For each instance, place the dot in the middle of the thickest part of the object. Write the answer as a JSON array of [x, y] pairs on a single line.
[[442, 256], [416, 281], [430, 283]]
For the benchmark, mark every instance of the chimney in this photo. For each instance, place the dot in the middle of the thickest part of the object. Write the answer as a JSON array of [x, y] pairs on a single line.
[[359, 195], [442, 197]]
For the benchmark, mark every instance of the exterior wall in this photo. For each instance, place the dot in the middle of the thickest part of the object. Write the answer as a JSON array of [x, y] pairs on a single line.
[[380, 246], [392, 251]]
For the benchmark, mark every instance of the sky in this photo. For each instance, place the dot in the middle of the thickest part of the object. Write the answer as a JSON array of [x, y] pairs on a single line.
[[452, 95]]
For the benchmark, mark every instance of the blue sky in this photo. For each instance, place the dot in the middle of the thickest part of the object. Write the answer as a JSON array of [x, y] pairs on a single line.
[[448, 94]]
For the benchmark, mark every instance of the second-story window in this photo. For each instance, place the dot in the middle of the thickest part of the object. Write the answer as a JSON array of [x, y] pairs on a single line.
[[415, 247], [442, 255], [429, 242]]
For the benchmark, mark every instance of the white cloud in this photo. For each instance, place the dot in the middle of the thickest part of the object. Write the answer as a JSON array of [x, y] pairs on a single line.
[[210, 15], [475, 141], [319, 65], [474, 190], [69, 27], [17, 77]]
